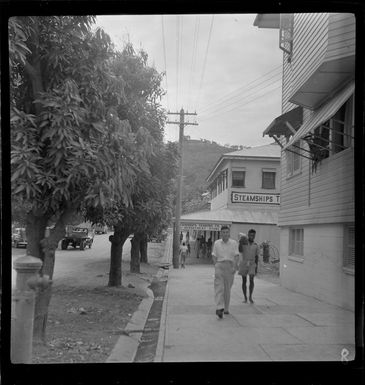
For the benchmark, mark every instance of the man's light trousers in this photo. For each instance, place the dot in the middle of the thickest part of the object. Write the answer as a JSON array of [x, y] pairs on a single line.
[[223, 281]]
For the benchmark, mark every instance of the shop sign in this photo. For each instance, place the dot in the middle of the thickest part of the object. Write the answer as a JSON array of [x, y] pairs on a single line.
[[200, 226], [259, 198]]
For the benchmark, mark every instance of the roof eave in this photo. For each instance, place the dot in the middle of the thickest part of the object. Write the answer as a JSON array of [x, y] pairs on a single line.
[[267, 20]]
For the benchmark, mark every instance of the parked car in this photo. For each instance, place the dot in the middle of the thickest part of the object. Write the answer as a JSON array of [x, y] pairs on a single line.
[[77, 236], [19, 237]]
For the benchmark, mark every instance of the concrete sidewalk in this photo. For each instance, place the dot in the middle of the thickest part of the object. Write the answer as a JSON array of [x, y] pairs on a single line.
[[281, 325]]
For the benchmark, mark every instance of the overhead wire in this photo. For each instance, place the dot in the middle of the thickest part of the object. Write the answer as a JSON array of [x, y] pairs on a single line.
[[234, 106], [219, 113], [238, 102], [193, 57], [181, 34], [164, 55], [204, 63], [177, 58], [245, 87]]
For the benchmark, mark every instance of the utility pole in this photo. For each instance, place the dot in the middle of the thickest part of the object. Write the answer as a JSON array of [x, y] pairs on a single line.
[[176, 239]]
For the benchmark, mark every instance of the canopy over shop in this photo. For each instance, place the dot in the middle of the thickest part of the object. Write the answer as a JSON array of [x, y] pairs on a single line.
[[209, 223]]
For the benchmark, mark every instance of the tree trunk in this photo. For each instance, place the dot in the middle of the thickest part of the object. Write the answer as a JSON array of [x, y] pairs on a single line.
[[117, 240], [48, 248], [143, 248], [135, 254], [35, 228]]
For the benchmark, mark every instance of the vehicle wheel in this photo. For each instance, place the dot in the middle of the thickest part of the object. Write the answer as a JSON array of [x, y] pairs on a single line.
[[82, 245], [64, 245]]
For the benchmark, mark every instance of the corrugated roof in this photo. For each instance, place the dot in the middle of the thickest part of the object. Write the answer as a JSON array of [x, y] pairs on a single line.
[[226, 215], [272, 150]]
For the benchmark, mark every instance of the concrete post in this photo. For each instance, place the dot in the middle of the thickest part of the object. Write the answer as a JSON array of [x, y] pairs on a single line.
[[22, 312]]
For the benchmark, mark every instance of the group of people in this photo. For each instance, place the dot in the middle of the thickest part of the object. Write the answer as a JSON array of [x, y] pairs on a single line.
[[230, 256], [204, 248]]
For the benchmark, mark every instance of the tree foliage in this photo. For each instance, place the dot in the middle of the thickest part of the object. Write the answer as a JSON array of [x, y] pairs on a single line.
[[81, 129], [150, 207], [66, 134]]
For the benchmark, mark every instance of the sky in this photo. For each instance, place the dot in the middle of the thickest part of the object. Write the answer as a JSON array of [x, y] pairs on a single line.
[[219, 66]]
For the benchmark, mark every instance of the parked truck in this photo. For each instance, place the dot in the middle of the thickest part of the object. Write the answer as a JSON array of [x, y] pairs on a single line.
[[77, 237]]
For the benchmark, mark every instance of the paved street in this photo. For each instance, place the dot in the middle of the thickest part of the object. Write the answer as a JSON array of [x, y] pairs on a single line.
[[69, 262], [281, 325]]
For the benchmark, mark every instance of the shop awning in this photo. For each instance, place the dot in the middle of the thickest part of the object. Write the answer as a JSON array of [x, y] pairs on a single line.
[[226, 216], [286, 124], [323, 113]]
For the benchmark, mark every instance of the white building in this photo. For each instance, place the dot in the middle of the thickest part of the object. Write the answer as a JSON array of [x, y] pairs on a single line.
[[245, 193], [316, 132]]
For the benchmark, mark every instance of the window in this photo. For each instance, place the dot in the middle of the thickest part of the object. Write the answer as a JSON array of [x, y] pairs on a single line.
[[268, 179], [293, 164], [238, 178], [334, 135], [349, 247], [286, 34], [342, 125], [225, 179], [296, 242], [220, 184]]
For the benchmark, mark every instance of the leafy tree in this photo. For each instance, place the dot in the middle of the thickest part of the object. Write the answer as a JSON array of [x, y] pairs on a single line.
[[153, 209], [147, 119], [70, 148]]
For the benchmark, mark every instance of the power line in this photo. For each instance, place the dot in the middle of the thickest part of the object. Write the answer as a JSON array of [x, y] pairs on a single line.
[[225, 99], [164, 55], [181, 34], [237, 105], [193, 57], [205, 61], [177, 57], [245, 104]]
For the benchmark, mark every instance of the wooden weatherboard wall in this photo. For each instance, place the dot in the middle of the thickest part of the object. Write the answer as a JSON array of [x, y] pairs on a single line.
[[341, 36], [309, 50], [326, 196]]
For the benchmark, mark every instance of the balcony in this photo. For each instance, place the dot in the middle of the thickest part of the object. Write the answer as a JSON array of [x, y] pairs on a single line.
[[317, 79]]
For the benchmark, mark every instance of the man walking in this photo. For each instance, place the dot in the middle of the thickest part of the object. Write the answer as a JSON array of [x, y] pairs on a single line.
[[225, 254], [249, 256]]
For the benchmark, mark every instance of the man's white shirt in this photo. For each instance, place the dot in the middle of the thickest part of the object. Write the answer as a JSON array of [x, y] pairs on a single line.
[[225, 251]]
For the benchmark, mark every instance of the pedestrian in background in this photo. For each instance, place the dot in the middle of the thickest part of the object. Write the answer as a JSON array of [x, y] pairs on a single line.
[[187, 238], [249, 256], [183, 252], [225, 257], [209, 247]]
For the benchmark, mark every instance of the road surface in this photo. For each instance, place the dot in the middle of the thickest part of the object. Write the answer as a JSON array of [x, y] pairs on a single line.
[[71, 261]]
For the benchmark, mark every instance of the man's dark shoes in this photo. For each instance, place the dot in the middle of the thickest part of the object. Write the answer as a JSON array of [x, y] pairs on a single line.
[[226, 312], [219, 313], [251, 300]]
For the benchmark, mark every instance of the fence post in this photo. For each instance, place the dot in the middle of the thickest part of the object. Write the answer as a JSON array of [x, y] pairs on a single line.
[[22, 312]]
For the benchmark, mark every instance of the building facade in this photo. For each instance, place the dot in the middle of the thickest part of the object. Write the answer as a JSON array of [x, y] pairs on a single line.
[[316, 133], [244, 188]]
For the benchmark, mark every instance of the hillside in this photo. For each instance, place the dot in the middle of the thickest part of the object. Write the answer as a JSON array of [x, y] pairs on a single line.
[[199, 158]]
